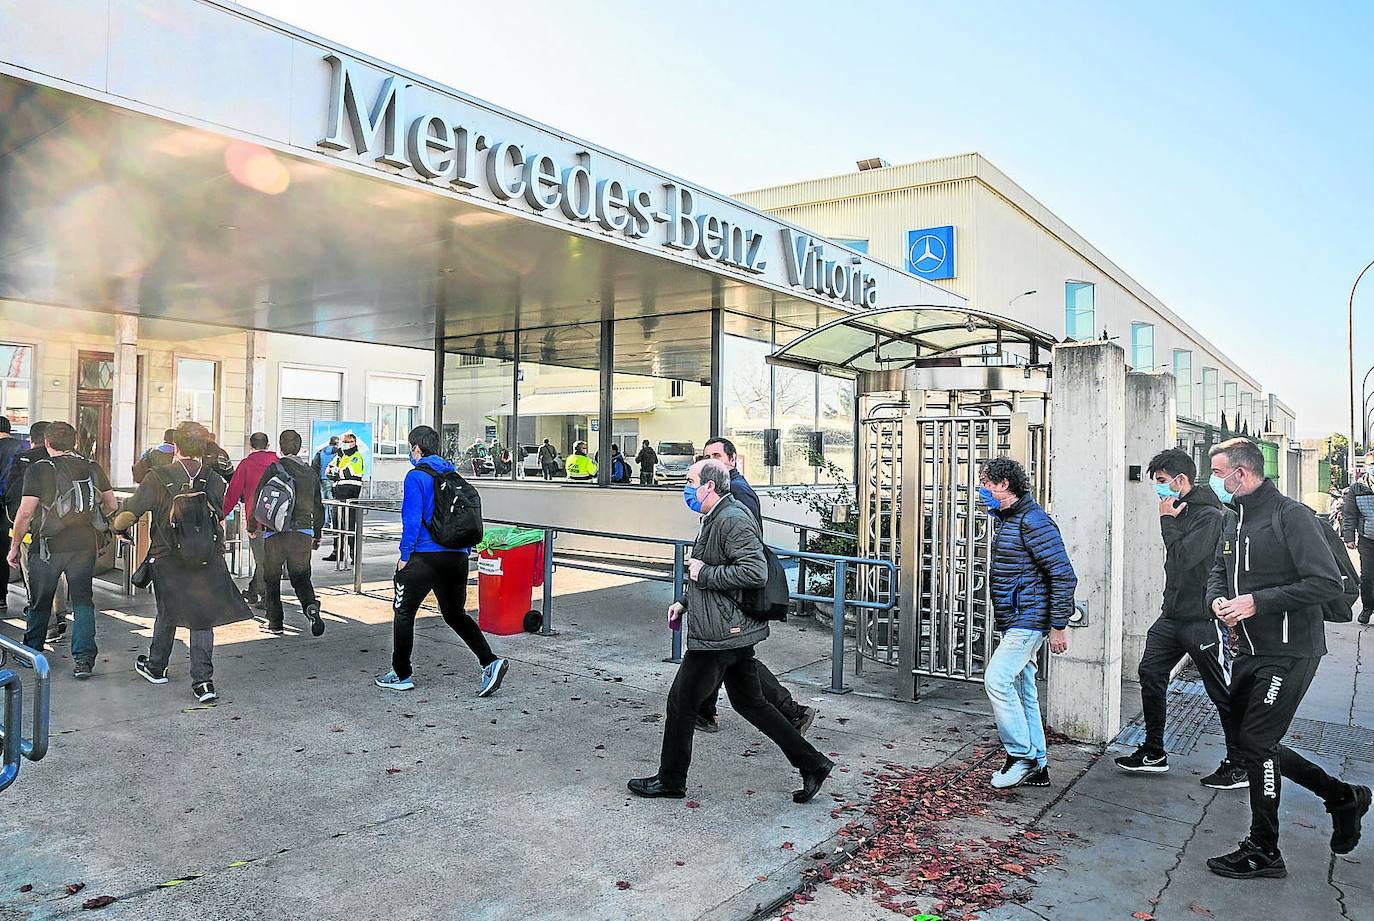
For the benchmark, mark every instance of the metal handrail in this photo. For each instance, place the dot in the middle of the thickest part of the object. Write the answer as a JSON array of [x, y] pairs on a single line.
[[15, 746], [839, 562]]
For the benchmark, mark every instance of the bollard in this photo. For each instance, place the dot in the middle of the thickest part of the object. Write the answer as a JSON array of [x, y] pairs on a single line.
[[837, 637], [547, 608], [357, 550], [678, 586], [13, 726]]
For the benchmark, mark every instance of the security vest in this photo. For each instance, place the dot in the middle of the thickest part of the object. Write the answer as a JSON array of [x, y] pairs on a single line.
[[350, 466], [580, 467]]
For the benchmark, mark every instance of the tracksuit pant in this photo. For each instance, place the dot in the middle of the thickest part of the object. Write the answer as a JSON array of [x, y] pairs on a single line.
[[289, 550], [700, 673], [1166, 643], [446, 574], [1265, 693], [1365, 546]]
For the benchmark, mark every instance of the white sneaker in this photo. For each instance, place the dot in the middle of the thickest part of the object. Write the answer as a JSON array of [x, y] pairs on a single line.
[[1014, 774], [491, 677]]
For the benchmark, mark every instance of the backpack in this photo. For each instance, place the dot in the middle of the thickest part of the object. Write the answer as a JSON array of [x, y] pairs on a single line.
[[275, 503], [456, 520], [75, 500], [770, 600], [192, 526], [1338, 610]]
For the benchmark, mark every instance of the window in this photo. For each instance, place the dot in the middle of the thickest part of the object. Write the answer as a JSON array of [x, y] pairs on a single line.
[[859, 246], [196, 386], [308, 394], [1230, 404], [1142, 346], [1209, 396], [1247, 412], [393, 405], [1079, 301], [470, 361], [16, 383], [676, 390], [1183, 382]]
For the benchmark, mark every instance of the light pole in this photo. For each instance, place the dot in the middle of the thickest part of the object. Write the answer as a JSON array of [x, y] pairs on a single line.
[[1350, 356], [1018, 297]]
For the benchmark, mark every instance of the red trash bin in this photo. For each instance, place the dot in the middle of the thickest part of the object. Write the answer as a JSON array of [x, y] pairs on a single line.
[[505, 587]]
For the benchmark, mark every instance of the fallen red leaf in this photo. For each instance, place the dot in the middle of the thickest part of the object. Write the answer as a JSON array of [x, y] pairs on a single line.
[[27, 887], [680, 863], [99, 901], [1143, 916], [393, 770], [787, 845], [74, 888], [622, 884], [693, 804], [761, 878], [1195, 907]]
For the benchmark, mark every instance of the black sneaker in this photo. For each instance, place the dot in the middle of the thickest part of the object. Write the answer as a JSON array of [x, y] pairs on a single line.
[[204, 691], [83, 669], [806, 721], [705, 725], [56, 629], [274, 631], [1040, 778], [1144, 760], [145, 668], [249, 596], [1364, 616], [1248, 862], [1227, 776], [332, 558], [1346, 818], [312, 614]]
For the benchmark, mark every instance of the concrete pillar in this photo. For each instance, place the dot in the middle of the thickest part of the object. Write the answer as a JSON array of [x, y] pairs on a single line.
[[124, 446], [1151, 426], [1088, 476], [255, 418]]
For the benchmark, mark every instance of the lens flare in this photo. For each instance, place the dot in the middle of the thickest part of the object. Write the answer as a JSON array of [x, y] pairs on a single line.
[[256, 168]]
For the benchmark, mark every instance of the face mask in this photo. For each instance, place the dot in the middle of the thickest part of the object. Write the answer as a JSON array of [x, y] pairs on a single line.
[[349, 449], [989, 499], [1165, 491], [689, 495], [414, 461], [1218, 485]]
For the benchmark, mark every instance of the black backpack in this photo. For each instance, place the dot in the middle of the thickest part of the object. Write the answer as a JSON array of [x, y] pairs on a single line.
[[770, 600], [192, 527], [456, 520], [274, 507], [1338, 610], [75, 500], [8, 456]]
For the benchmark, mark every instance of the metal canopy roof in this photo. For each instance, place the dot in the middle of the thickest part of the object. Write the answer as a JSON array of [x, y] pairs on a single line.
[[895, 338]]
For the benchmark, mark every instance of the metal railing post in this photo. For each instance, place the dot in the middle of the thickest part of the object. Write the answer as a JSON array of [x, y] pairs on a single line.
[[357, 549], [837, 637], [547, 607], [802, 535], [13, 726], [35, 748], [678, 586]]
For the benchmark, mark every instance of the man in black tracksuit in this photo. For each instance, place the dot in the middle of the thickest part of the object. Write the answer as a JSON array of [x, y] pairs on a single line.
[[1190, 518], [290, 550], [1273, 572], [1357, 521]]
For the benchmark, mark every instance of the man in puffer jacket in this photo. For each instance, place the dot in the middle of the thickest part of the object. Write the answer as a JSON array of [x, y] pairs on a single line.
[[1357, 521], [1032, 596], [727, 559]]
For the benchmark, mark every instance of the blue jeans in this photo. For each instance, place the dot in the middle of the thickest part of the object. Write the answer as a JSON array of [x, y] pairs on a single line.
[[79, 568], [1010, 683]]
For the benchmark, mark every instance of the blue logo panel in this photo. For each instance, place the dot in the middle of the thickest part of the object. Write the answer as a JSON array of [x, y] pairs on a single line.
[[930, 252]]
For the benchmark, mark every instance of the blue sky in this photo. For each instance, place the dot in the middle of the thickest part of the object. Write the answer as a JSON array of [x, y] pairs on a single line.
[[1219, 153]]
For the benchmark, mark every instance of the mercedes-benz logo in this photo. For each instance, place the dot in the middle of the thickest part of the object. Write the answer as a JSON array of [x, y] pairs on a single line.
[[927, 253]]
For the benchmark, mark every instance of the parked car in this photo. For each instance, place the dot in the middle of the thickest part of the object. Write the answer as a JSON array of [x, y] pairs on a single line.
[[674, 457]]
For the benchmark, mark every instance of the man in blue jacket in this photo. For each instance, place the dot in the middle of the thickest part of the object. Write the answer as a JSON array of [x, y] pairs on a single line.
[[1032, 596], [427, 565]]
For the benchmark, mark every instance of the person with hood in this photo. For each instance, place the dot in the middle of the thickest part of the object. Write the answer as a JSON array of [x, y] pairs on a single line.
[[1273, 573], [1190, 517], [580, 467], [156, 456], [243, 487], [646, 460], [1357, 529], [346, 472], [727, 558], [290, 549], [620, 470], [425, 565], [548, 459], [1032, 600]]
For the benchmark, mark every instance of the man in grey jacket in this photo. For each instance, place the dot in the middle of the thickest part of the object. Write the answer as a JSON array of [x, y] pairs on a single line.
[[726, 559]]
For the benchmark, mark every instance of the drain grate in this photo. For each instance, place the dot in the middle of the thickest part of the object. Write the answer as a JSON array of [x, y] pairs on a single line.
[[1337, 740], [1190, 714]]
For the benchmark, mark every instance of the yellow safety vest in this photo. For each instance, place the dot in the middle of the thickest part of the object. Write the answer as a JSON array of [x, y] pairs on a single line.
[[350, 466], [581, 466]]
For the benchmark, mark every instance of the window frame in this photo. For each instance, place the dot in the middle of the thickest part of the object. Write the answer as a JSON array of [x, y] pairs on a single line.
[[1076, 313], [35, 413], [374, 409], [1183, 383], [214, 424], [301, 366], [1136, 327]]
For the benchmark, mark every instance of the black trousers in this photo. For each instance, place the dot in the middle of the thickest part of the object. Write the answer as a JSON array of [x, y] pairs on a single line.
[[4, 555], [446, 574], [700, 673], [289, 550], [344, 491], [1365, 546], [1265, 693], [646, 476], [1166, 643], [773, 692]]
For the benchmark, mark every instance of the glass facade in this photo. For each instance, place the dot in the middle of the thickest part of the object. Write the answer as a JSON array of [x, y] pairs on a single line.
[[1230, 404], [1143, 346], [1079, 310], [1211, 412], [1183, 383], [1247, 411], [16, 383]]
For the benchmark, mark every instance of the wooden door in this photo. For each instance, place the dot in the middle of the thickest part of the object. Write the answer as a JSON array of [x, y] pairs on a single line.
[[95, 406]]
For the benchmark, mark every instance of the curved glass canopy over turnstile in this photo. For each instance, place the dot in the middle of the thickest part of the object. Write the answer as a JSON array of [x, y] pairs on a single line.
[[941, 390]]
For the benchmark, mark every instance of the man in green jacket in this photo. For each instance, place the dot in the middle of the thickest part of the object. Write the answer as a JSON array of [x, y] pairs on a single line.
[[727, 558]]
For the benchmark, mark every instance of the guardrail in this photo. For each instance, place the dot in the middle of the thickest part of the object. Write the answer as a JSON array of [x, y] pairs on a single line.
[[839, 562], [235, 542], [12, 741]]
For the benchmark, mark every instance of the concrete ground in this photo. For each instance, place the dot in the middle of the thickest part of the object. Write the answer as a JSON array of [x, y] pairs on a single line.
[[307, 792]]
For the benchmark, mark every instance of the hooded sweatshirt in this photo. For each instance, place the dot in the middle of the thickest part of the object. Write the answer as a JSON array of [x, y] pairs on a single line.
[[417, 505], [1190, 547]]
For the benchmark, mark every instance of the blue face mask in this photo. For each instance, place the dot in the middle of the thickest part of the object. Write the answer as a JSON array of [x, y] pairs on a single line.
[[1218, 485], [413, 461], [689, 495], [989, 499], [1165, 491]]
